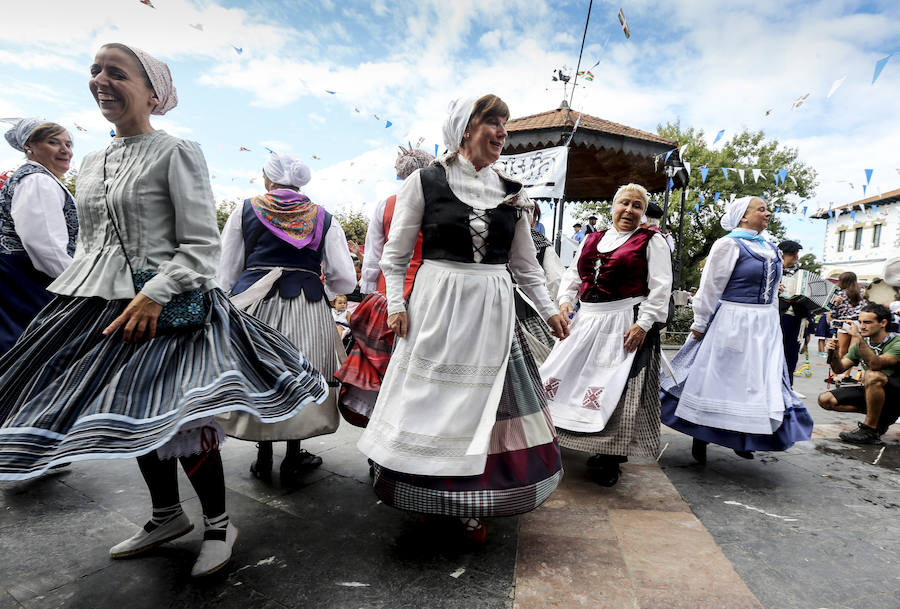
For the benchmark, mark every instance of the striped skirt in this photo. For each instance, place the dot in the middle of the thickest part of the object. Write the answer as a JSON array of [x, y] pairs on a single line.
[[309, 326], [68, 393], [518, 476]]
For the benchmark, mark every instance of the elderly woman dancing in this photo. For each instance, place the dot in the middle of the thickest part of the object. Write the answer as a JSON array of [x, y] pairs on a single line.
[[460, 427], [730, 384], [602, 383], [140, 348], [274, 247], [38, 224]]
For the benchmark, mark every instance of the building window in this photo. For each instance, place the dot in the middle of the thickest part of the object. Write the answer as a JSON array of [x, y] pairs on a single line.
[[876, 235], [841, 235], [857, 240]]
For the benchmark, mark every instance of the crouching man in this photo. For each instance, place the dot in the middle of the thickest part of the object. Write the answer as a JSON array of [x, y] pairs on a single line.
[[878, 352]]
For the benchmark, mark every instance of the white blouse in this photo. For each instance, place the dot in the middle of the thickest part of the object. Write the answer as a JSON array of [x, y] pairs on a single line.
[[655, 309], [37, 210], [482, 190], [337, 266], [723, 255], [375, 239]]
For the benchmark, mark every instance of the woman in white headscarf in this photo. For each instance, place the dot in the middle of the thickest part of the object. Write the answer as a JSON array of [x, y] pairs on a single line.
[[730, 384], [38, 223], [461, 427], [274, 248], [140, 349]]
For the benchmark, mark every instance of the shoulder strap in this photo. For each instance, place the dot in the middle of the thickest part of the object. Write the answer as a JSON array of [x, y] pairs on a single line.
[[110, 214]]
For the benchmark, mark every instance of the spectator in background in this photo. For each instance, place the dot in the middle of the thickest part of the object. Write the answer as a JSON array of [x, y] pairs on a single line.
[[653, 214], [591, 226], [792, 313], [579, 232]]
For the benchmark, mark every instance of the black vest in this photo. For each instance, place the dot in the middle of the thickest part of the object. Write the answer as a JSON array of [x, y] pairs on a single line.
[[263, 249], [445, 222]]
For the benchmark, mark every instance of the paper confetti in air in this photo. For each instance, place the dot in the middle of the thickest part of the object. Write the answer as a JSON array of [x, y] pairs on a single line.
[[147, 3], [243, 149], [79, 127], [316, 158], [237, 50], [834, 87], [196, 26], [457, 573], [624, 23], [769, 111], [879, 66], [799, 101], [269, 149]]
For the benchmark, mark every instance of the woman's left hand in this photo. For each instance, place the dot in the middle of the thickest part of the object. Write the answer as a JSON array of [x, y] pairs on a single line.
[[139, 319], [634, 338], [559, 326]]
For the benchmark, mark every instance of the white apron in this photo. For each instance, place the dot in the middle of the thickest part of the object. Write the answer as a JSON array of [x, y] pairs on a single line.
[[438, 400], [585, 375]]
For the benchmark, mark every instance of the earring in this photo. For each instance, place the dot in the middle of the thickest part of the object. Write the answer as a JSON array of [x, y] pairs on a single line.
[[466, 135]]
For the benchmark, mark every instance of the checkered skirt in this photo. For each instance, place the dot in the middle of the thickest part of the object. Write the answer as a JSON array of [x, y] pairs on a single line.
[[518, 477]]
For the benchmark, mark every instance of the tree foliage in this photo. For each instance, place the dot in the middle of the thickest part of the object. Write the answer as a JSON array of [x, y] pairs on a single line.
[[745, 150], [355, 225], [223, 210], [808, 262]]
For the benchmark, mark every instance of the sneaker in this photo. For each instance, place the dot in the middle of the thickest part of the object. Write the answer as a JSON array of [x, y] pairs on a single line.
[[863, 435], [143, 541], [215, 554]]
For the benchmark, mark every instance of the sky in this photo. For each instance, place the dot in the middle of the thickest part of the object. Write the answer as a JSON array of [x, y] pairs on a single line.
[[710, 65]]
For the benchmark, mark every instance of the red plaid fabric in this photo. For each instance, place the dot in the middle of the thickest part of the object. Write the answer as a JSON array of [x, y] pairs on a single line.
[[369, 357]]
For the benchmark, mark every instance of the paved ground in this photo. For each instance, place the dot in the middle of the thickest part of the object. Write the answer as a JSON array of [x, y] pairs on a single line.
[[815, 527]]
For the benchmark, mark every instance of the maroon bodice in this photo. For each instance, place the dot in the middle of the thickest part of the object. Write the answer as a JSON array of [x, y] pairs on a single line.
[[622, 273]]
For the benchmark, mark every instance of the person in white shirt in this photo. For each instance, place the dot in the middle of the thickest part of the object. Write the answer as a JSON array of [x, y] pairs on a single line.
[[38, 224]]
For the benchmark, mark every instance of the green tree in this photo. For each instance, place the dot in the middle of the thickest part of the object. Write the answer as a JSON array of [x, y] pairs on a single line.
[[223, 210], [808, 262], [745, 150], [69, 181], [355, 225]]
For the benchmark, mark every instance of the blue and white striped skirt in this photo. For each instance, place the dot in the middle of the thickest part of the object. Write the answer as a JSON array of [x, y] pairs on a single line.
[[68, 393]]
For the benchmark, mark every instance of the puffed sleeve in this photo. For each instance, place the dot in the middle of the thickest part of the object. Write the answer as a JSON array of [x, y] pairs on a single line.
[[570, 283], [374, 247], [231, 261], [553, 270], [405, 228], [655, 309], [337, 265], [719, 264], [37, 210], [193, 264], [526, 271]]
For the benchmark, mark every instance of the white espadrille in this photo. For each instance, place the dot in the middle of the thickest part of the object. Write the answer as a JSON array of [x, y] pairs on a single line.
[[215, 554], [143, 541]]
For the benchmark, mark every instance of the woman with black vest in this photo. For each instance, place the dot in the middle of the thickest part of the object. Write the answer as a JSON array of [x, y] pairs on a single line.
[[603, 384], [275, 247], [461, 426]]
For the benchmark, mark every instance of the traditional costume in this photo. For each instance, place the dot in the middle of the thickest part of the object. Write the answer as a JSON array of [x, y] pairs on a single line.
[[38, 228], [533, 325], [274, 248], [604, 400], [460, 426], [731, 388]]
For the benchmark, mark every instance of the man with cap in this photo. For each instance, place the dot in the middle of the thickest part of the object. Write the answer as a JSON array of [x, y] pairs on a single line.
[[591, 225], [653, 214], [792, 313]]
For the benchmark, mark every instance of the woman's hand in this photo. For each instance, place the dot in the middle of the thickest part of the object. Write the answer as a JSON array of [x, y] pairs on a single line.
[[398, 323], [634, 338], [139, 319], [697, 335], [566, 309], [559, 324]]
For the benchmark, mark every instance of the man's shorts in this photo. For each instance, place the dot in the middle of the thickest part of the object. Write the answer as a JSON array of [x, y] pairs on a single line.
[[856, 396]]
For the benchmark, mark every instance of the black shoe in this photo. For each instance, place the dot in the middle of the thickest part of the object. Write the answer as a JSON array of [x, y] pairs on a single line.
[[863, 435], [295, 467], [744, 454], [698, 451], [262, 467], [371, 468], [606, 475]]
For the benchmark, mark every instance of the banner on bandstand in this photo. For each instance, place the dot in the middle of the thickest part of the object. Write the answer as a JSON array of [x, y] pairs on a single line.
[[542, 172]]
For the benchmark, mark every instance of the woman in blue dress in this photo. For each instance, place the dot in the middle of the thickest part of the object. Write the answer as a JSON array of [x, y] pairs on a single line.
[[730, 382]]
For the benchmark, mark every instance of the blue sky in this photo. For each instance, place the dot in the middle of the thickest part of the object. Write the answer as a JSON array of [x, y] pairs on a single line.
[[712, 65]]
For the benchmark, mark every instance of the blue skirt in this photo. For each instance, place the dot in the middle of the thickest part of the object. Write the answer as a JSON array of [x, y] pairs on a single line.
[[796, 425], [23, 293], [68, 393]]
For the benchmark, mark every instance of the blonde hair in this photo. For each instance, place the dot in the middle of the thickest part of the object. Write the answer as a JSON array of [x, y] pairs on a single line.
[[634, 188], [339, 296]]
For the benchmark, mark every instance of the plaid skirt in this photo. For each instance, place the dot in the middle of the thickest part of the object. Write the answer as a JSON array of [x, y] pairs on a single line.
[[361, 373], [68, 393], [633, 428], [518, 477]]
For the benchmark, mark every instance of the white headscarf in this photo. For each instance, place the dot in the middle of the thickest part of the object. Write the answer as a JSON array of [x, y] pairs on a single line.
[[734, 211], [160, 78], [287, 170], [22, 128], [458, 114]]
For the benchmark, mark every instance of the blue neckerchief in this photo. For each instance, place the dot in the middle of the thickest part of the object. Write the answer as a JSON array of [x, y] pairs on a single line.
[[740, 233]]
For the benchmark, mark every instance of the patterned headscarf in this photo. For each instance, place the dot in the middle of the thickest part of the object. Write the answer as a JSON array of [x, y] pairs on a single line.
[[21, 130], [291, 217], [160, 78]]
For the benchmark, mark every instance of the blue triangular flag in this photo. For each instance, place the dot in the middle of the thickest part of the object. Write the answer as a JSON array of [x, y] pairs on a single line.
[[875, 208], [703, 172], [864, 189], [671, 184], [332, 93], [831, 213], [702, 198], [783, 174], [668, 154], [696, 208], [775, 175], [725, 172], [879, 66], [719, 136], [716, 198], [804, 210], [869, 175], [112, 133], [269, 149], [853, 214], [435, 149], [387, 124]]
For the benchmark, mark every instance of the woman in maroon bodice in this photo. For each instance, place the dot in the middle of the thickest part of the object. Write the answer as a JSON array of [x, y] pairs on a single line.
[[603, 382]]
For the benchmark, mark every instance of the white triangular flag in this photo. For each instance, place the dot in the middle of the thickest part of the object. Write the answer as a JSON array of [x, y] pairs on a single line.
[[687, 167], [741, 174], [756, 174], [835, 86], [681, 152], [793, 178]]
